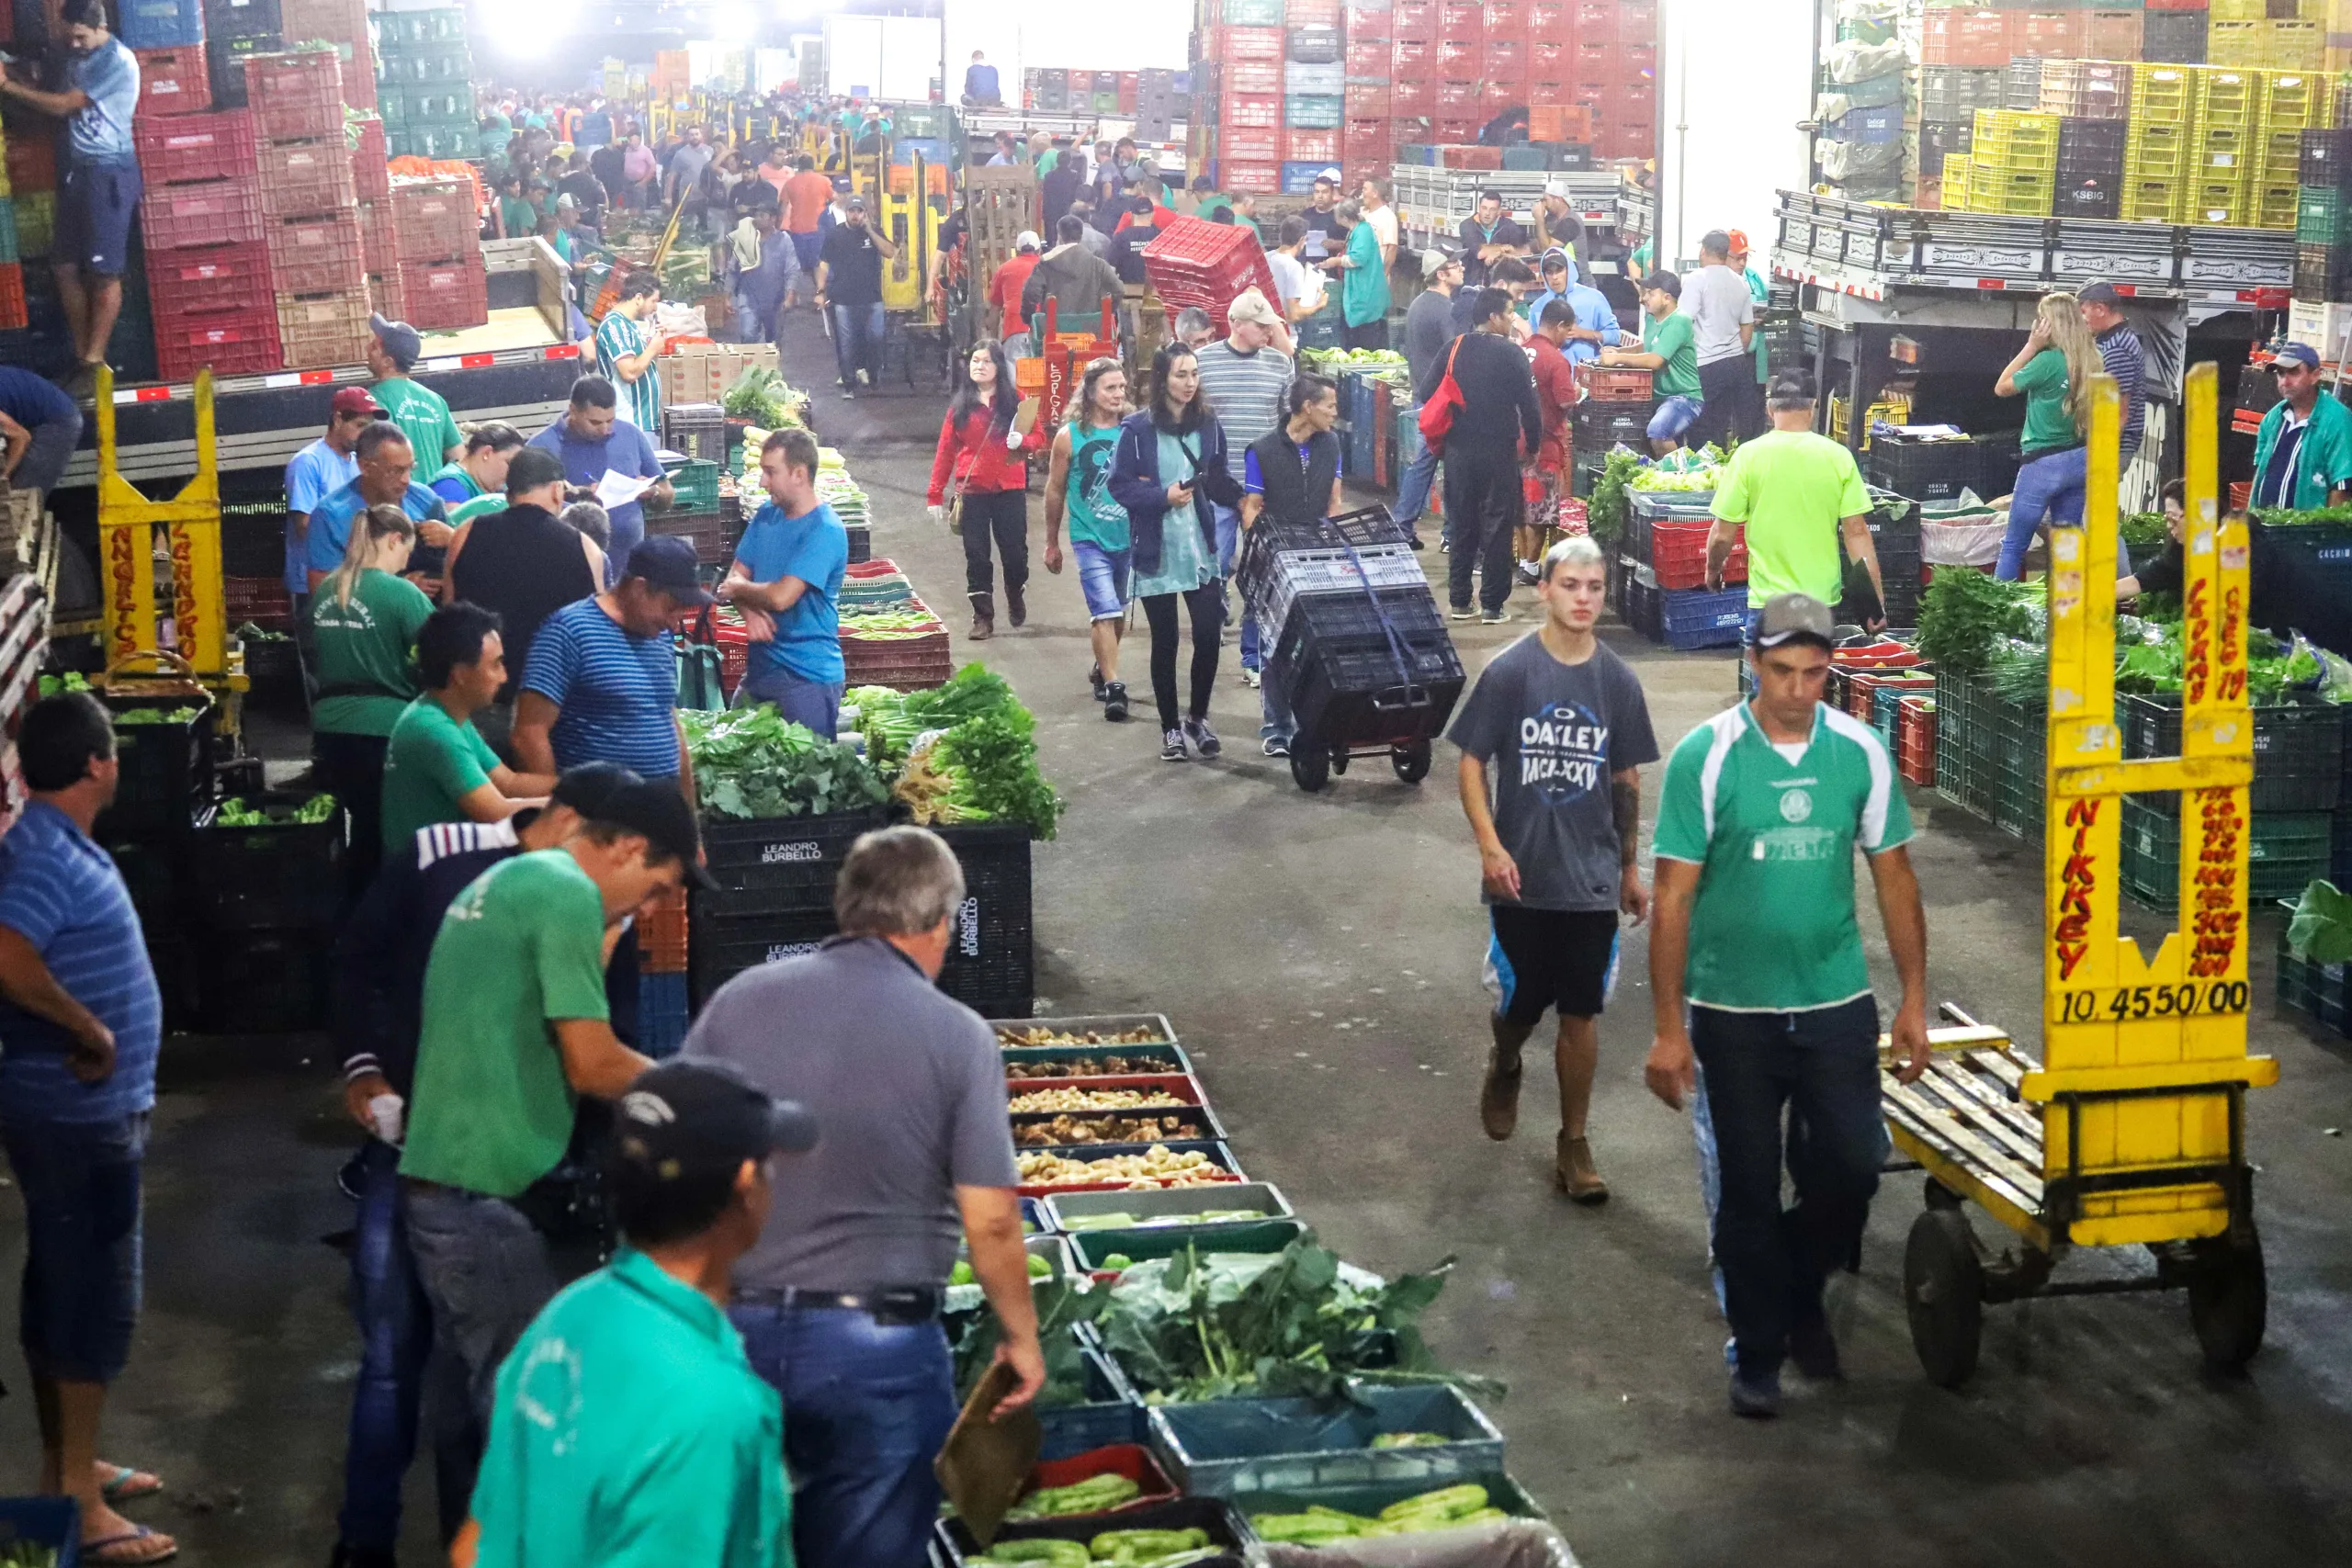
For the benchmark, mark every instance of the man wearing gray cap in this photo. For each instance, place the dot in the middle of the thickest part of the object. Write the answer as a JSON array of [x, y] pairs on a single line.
[[423, 414], [849, 288], [1754, 931]]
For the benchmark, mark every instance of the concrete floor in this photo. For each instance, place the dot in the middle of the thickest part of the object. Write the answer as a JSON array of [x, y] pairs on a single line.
[[1319, 955]]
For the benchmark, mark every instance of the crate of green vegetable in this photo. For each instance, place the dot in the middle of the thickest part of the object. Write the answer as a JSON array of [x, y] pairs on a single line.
[[1431, 1436], [164, 748], [1328, 1516], [1180, 1533], [753, 765], [1116, 1478], [1112, 1251], [776, 863], [2298, 745], [2285, 850], [268, 862], [1180, 1209], [40, 1532]]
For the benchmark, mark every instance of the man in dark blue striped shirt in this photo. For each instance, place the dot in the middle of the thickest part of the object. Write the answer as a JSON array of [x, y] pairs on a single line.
[[602, 685], [2125, 359], [82, 1021]]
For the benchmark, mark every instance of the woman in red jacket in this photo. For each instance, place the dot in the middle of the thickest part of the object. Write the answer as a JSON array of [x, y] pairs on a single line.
[[985, 457]]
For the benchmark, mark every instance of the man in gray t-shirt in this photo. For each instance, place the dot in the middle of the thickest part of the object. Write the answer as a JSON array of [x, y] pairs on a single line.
[[839, 1303], [1722, 328], [1552, 739]]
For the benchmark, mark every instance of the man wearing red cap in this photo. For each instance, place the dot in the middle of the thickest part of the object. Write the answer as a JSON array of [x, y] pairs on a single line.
[[1758, 291]]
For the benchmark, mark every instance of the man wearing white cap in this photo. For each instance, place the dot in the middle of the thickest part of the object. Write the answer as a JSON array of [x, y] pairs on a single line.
[[1004, 291], [1244, 378], [1557, 226]]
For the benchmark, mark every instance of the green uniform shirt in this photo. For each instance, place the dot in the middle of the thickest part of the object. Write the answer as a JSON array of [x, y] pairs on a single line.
[[1363, 291], [520, 218], [424, 418], [366, 675], [1791, 487], [2048, 426], [1772, 929], [521, 949], [1672, 339], [432, 763], [629, 1431], [1761, 293], [2322, 462], [479, 503]]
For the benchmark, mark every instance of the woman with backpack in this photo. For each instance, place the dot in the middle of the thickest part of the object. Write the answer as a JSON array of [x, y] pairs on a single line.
[[979, 483], [1171, 457]]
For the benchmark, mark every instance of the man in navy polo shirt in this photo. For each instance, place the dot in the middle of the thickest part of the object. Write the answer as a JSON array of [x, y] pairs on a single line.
[[592, 440], [39, 428], [82, 1021]]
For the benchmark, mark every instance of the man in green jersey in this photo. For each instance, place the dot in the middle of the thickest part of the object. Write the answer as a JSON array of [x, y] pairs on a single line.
[[1754, 931], [437, 766], [393, 349], [1670, 352], [1798, 494], [515, 1031]]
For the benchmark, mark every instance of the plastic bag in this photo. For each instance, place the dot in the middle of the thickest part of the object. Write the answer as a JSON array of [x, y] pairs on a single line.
[[1520, 1544], [1853, 61]]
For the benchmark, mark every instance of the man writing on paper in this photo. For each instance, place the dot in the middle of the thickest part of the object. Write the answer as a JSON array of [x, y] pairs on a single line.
[[596, 448]]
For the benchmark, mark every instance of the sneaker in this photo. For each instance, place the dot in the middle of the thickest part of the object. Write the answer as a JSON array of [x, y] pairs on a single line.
[[1527, 573], [1094, 678], [1016, 606], [1756, 1396], [1494, 618], [1203, 738], [1274, 745], [1115, 701], [848, 396], [1461, 613], [1813, 1351], [1445, 546], [1171, 745], [1250, 678], [1416, 544]]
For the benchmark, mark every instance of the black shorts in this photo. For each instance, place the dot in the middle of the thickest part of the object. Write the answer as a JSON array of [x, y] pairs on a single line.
[[1562, 959]]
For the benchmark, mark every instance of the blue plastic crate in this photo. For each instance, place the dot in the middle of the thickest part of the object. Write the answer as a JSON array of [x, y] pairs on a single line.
[[1314, 111], [162, 24], [1221, 1446], [44, 1521], [661, 1015], [1699, 618], [1113, 1412], [1298, 178], [1869, 127]]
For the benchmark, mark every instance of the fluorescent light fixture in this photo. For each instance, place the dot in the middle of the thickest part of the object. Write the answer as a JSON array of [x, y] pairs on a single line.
[[735, 20]]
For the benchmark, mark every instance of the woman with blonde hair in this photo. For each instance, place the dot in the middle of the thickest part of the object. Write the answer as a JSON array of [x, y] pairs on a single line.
[[2052, 372], [364, 619]]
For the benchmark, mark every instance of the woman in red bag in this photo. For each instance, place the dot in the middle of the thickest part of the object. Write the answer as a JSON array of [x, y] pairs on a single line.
[[984, 457]]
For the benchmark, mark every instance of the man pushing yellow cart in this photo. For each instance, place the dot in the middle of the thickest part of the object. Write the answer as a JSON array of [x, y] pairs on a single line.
[[2131, 1130]]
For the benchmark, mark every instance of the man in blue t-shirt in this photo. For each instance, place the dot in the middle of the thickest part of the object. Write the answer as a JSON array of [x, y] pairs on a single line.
[[39, 428], [602, 685], [591, 440], [787, 581], [82, 1021], [98, 187], [316, 472], [387, 477]]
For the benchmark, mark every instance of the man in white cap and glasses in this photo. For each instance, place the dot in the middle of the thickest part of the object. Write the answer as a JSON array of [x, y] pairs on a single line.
[[1005, 289], [1556, 224], [1759, 981], [1244, 378]]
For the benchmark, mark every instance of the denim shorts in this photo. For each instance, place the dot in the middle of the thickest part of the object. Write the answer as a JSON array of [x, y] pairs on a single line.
[[94, 202], [1675, 415], [1106, 577], [81, 1182]]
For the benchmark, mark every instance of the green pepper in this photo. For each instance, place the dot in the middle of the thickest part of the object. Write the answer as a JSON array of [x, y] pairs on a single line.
[[1053, 1554]]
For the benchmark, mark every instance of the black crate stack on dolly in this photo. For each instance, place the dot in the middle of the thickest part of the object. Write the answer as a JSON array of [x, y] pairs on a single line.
[[264, 903], [165, 776]]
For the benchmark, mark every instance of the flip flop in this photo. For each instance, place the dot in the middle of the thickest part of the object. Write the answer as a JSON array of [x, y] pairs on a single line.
[[127, 1484], [94, 1550]]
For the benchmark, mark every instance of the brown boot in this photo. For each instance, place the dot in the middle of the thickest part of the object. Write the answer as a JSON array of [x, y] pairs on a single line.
[[1015, 606], [1499, 1095], [1573, 1171], [983, 616]]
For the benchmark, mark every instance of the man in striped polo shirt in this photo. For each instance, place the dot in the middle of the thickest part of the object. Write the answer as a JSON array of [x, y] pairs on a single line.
[[602, 685], [1762, 808], [1245, 380], [627, 346]]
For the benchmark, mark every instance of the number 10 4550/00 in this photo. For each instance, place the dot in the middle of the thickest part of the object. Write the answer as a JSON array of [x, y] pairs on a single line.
[[2126, 1004]]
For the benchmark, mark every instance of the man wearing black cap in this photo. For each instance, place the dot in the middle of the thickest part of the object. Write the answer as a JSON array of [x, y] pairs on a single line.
[[849, 287], [1754, 927], [628, 1425], [380, 959], [423, 414], [2120, 353], [515, 1031]]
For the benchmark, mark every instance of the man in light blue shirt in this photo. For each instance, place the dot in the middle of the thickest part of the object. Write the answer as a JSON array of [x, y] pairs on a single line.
[[316, 472], [387, 477], [98, 188], [787, 581], [1596, 327], [592, 440]]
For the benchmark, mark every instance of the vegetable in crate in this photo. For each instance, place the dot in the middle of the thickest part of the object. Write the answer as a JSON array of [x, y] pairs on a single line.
[[1095, 1495], [2321, 931], [1061, 1306], [982, 767], [1450, 1508], [763, 397], [235, 813], [1964, 610], [753, 762]]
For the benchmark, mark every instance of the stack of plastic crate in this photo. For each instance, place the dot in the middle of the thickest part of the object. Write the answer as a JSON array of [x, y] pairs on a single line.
[[425, 83], [1244, 94], [2221, 147], [2322, 232], [235, 31], [343, 23], [1314, 90], [2013, 163], [2290, 104], [2156, 153], [1368, 137], [209, 277], [14, 319], [661, 955], [437, 236], [310, 205]]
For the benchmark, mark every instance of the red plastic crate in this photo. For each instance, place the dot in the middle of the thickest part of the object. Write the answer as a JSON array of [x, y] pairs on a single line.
[[377, 248], [1592, 18], [1251, 76], [1506, 16], [1558, 122], [1549, 60], [1495, 96], [1452, 128], [1638, 60], [1678, 554], [433, 220], [1588, 95], [1410, 57], [1627, 139], [1637, 19], [216, 212], [1965, 38], [318, 254], [384, 290], [172, 81], [1130, 88], [335, 21], [12, 297], [1250, 146], [1412, 97], [1914, 740], [234, 342], [1455, 95], [1412, 19], [445, 294], [1367, 101], [1596, 62], [1250, 111], [1506, 58], [1261, 179], [1554, 21], [216, 277], [1631, 100], [1229, 44], [1131, 1460], [1470, 155], [2049, 34], [1462, 20], [31, 157], [1367, 54], [1458, 60], [1301, 145], [1312, 12], [305, 177], [1198, 263], [296, 94], [371, 173], [181, 148], [2110, 35]]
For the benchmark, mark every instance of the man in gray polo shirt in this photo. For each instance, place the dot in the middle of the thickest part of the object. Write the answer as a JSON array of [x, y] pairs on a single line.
[[839, 1304]]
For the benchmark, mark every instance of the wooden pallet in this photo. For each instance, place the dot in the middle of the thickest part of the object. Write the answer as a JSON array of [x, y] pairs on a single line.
[[1965, 1109], [1000, 203]]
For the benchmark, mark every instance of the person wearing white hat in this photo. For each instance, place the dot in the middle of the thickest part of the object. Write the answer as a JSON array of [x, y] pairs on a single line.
[[1556, 225], [1004, 291]]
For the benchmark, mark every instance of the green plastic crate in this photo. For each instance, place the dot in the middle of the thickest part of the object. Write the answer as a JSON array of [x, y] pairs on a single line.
[[2320, 217], [696, 483], [1253, 13], [2285, 850], [36, 217], [442, 140], [7, 230]]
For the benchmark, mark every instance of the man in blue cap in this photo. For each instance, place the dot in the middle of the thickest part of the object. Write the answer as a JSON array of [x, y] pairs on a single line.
[[2302, 454], [1596, 322]]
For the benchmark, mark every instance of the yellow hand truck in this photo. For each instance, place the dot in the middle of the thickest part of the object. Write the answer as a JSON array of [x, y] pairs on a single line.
[[2131, 1131]]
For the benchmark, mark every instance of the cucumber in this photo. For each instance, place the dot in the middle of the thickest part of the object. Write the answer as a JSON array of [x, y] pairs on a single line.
[[1449, 1502], [1053, 1554]]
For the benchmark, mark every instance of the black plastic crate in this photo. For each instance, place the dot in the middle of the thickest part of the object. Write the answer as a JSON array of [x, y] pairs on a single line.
[[723, 946], [2173, 37], [284, 875], [778, 864], [1996, 464], [1369, 526], [2285, 850], [1603, 426], [156, 872], [2325, 159], [2321, 272], [991, 941], [697, 430], [1941, 139], [224, 62], [2021, 85], [1217, 1518], [166, 769], [1954, 92], [2085, 197], [240, 18], [264, 982], [252, 538], [1359, 690], [2095, 142], [2297, 748], [1924, 470]]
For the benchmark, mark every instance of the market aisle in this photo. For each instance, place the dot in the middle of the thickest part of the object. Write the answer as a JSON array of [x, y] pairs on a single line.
[[1320, 955]]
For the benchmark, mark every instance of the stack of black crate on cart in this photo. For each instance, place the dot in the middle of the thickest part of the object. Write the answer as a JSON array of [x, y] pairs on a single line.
[[2323, 229], [1614, 412], [166, 773], [266, 898]]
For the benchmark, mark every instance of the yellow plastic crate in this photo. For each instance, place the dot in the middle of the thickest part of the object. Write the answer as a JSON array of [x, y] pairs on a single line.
[[2293, 100], [1957, 174], [2162, 94], [2228, 96], [2222, 151], [2014, 127], [2240, 10], [2150, 201], [2294, 45], [2277, 156], [2273, 204], [2029, 195], [35, 222], [2215, 202], [2238, 45], [2157, 152]]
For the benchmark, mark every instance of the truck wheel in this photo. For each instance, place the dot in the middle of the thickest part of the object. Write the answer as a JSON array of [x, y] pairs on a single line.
[[2229, 1302], [1943, 1293], [1411, 760]]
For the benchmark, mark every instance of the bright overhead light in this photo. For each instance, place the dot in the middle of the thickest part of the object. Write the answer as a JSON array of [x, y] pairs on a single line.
[[735, 21]]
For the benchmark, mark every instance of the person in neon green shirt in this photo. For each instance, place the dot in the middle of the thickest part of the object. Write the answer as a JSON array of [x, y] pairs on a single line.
[[1798, 494]]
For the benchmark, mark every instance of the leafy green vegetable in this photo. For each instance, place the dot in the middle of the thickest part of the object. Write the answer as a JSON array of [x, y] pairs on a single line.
[[980, 766], [1964, 610], [753, 762], [1061, 1304], [235, 813], [2146, 531], [158, 716], [2321, 931], [763, 397], [71, 680], [1604, 509]]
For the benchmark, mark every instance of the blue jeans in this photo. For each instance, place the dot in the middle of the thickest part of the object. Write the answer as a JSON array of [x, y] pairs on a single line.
[[1107, 578], [487, 1272], [866, 1405], [1413, 485], [858, 331], [2049, 490], [395, 1342], [1821, 1066], [1280, 722], [81, 1184], [815, 705]]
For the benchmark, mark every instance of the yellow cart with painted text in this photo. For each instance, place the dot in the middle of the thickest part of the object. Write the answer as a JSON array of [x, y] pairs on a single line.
[[2131, 1131]]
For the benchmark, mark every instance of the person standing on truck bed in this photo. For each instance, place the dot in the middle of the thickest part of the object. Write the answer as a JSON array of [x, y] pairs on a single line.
[[591, 440], [627, 346], [387, 477], [423, 414], [99, 187]]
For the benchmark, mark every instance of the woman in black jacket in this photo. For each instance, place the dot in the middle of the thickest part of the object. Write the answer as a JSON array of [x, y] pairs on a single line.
[[1169, 456], [1291, 475]]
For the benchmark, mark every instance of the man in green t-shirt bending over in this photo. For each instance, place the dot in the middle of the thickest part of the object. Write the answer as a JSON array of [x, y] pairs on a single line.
[[514, 1030], [1754, 929], [1670, 352], [437, 767]]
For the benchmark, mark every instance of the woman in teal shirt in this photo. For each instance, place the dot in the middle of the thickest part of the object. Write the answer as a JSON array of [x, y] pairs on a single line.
[[1363, 292], [1079, 483]]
